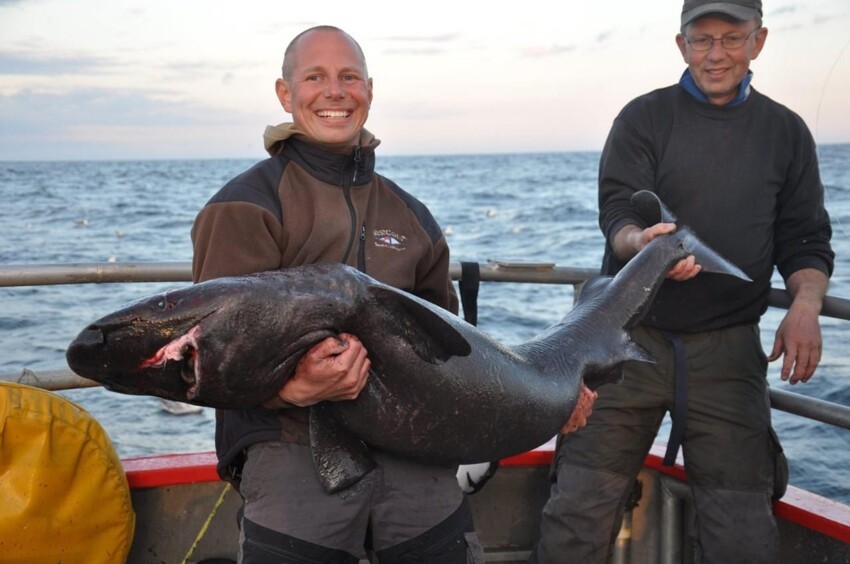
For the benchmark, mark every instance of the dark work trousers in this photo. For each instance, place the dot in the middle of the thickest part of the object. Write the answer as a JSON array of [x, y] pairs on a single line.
[[415, 512], [727, 448]]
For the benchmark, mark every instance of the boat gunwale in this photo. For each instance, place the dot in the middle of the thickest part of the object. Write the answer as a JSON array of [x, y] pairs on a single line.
[[798, 506]]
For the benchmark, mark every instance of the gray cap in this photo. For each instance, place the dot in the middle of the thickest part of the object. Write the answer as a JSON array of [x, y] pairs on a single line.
[[739, 9]]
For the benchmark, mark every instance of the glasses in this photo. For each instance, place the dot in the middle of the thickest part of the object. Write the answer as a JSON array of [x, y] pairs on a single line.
[[729, 42]]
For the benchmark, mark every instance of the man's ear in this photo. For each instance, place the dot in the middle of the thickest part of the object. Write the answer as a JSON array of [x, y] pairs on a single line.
[[284, 94], [681, 43], [761, 37], [369, 84]]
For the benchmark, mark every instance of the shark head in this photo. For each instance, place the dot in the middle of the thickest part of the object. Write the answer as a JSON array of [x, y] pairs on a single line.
[[230, 342]]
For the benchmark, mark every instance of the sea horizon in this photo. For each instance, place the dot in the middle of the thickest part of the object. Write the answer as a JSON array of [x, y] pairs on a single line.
[[379, 153]]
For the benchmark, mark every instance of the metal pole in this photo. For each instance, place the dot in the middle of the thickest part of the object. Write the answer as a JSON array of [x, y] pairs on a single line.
[[813, 408], [81, 273], [49, 379], [673, 496], [54, 274], [492, 270]]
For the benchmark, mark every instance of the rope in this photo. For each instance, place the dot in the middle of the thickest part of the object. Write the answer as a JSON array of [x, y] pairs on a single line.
[[203, 530]]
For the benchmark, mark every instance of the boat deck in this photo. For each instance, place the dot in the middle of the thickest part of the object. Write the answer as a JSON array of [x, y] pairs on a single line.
[[179, 501]]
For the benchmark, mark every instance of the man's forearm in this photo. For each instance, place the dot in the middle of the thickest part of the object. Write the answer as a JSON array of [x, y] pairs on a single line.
[[625, 243], [808, 287]]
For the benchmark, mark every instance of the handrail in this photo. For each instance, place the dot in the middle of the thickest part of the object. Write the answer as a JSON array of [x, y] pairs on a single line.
[[93, 273], [105, 272], [491, 271]]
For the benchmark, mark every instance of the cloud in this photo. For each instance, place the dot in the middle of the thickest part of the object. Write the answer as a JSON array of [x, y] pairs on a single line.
[[437, 38], [554, 50], [419, 45], [781, 10], [604, 36], [12, 63], [798, 16], [29, 112], [104, 123], [413, 51]]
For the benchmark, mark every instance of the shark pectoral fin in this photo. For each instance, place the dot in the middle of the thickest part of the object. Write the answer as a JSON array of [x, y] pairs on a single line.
[[634, 351], [433, 338], [341, 459], [611, 371], [594, 377]]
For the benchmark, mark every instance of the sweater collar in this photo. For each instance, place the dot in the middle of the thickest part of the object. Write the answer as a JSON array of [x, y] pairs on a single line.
[[688, 83]]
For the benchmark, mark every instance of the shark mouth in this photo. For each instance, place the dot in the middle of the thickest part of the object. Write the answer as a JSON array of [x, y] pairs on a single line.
[[186, 349]]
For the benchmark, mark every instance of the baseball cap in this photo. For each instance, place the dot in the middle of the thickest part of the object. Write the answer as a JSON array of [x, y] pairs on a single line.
[[739, 9]]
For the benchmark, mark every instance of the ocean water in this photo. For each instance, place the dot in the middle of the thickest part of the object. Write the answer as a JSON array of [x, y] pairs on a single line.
[[533, 207]]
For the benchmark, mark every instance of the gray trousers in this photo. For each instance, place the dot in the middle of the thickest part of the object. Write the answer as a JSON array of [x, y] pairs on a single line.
[[400, 501], [727, 448]]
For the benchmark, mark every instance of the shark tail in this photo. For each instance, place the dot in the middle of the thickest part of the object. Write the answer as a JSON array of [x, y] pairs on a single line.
[[709, 259], [652, 210]]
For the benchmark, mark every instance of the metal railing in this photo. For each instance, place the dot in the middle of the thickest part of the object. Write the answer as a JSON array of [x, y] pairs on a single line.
[[491, 271]]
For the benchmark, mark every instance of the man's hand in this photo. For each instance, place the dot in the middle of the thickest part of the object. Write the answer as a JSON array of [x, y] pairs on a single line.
[[582, 411], [798, 336], [685, 269], [335, 369], [631, 239]]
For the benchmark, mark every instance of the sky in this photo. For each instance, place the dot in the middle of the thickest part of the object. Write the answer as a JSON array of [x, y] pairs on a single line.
[[175, 79]]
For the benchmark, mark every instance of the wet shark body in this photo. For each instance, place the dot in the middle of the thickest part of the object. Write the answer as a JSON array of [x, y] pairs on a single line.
[[439, 389]]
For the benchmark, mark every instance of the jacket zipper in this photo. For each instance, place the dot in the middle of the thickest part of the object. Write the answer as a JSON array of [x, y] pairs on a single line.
[[346, 190]]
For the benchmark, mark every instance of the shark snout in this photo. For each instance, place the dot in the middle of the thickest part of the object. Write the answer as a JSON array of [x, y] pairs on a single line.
[[84, 351]]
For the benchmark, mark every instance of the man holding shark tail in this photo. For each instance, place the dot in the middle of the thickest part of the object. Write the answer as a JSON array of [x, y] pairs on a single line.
[[741, 171], [318, 199]]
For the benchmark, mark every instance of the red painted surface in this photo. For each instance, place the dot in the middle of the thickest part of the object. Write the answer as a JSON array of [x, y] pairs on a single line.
[[170, 469], [798, 506]]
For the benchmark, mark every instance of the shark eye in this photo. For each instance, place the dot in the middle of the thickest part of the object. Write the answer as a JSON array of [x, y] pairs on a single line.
[[165, 304]]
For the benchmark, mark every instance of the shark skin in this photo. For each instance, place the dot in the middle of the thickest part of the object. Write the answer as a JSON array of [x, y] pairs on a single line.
[[439, 389]]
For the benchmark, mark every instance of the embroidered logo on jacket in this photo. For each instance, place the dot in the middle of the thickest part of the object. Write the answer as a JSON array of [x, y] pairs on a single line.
[[389, 239]]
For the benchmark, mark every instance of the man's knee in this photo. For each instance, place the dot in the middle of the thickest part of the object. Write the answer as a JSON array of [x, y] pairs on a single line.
[[259, 545], [735, 526], [582, 515], [453, 541]]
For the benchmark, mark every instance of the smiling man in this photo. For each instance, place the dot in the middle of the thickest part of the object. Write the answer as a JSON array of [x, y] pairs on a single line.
[[318, 199], [740, 170]]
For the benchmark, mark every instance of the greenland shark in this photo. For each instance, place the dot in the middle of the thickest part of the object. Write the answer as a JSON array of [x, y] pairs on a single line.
[[439, 389]]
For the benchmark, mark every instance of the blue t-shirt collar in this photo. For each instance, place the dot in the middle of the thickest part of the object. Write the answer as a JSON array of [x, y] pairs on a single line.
[[687, 82]]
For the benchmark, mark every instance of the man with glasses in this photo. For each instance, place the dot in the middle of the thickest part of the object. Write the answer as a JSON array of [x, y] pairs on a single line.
[[741, 170]]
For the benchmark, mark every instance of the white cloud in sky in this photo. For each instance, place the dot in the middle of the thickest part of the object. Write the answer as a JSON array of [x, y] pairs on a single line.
[[157, 79]]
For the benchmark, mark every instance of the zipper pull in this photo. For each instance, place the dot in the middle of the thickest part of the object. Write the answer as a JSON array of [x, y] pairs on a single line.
[[361, 252]]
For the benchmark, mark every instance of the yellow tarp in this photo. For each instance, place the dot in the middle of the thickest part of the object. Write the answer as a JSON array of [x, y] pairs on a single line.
[[63, 493]]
